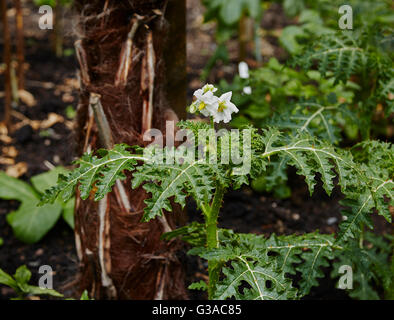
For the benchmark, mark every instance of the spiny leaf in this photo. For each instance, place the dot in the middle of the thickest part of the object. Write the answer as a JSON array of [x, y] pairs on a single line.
[[201, 285], [341, 53], [174, 180], [252, 261], [370, 262], [264, 282], [93, 171]]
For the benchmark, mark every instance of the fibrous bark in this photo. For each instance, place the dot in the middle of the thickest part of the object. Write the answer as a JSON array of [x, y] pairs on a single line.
[[123, 94]]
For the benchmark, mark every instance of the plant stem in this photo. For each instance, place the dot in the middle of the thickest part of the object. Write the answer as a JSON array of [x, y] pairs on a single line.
[[212, 239], [361, 240]]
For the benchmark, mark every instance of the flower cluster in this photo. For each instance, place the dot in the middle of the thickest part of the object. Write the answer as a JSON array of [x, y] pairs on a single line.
[[209, 105]]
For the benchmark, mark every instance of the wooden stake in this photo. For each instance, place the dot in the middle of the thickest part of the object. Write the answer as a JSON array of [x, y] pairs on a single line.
[[58, 30], [20, 45], [7, 61]]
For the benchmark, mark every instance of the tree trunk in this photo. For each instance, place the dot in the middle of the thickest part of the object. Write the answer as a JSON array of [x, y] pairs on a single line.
[[123, 94]]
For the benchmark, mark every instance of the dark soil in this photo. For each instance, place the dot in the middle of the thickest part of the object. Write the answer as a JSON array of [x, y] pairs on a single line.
[[35, 147], [243, 211]]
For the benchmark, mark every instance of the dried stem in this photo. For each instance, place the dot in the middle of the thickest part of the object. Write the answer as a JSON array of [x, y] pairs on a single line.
[[101, 121], [83, 64], [104, 246], [147, 83], [126, 55]]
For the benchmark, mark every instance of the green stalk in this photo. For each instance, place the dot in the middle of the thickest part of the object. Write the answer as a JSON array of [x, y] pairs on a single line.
[[212, 238]]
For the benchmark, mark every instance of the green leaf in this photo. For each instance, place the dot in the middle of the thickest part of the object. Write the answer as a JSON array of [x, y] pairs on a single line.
[[193, 234], [253, 7], [85, 295], [31, 222], [45, 180], [176, 181], [342, 53], [265, 283], [201, 285], [22, 275], [20, 284], [7, 280], [43, 291], [14, 189], [68, 212], [370, 266], [231, 11], [256, 260], [102, 172], [288, 39], [358, 207]]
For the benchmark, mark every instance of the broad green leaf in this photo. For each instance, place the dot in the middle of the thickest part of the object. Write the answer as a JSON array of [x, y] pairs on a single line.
[[31, 222], [14, 189], [231, 11], [68, 212], [46, 180]]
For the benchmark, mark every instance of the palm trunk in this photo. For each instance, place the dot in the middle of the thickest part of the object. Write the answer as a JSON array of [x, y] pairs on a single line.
[[123, 93]]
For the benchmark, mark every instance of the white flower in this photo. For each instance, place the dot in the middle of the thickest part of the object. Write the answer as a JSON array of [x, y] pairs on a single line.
[[205, 100], [223, 108], [243, 70], [247, 90], [209, 87]]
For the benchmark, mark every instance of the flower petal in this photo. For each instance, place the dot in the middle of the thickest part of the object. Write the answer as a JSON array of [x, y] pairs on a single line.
[[226, 96]]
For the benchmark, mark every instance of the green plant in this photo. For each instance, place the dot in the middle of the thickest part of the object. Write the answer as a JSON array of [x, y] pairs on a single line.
[[19, 282], [349, 97], [286, 97], [366, 13], [368, 258], [319, 18], [229, 15], [30, 222], [363, 59], [243, 266], [293, 100]]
